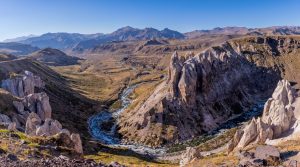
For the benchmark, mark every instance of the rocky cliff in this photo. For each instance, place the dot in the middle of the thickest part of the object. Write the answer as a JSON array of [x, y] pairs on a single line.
[[204, 90], [280, 119]]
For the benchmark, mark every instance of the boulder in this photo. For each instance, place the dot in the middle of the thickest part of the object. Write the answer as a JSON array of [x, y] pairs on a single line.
[[32, 123], [249, 135], [263, 152], [77, 143], [49, 128]]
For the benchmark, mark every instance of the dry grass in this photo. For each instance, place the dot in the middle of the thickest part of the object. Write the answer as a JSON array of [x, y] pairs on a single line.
[[131, 161], [215, 160], [99, 81]]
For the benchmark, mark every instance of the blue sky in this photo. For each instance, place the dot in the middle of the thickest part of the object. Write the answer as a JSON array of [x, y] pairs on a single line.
[[24, 17]]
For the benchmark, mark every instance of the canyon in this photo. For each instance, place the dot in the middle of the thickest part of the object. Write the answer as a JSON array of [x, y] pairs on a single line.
[[162, 97]]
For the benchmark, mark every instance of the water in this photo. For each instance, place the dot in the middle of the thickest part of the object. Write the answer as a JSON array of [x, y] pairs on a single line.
[[108, 134]]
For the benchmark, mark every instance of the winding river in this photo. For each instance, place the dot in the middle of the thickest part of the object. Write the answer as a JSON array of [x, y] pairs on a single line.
[[102, 127]]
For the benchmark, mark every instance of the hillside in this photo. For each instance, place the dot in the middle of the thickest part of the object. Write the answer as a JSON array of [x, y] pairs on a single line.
[[53, 57], [7, 57]]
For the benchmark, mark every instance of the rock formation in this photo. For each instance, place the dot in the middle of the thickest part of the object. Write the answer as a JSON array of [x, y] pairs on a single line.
[[34, 110], [201, 91], [23, 84], [278, 117]]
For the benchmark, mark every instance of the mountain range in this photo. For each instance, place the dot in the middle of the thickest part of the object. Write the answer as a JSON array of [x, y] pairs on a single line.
[[78, 43]]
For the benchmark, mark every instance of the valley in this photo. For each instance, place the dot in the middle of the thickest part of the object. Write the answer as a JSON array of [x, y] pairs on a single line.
[[154, 101]]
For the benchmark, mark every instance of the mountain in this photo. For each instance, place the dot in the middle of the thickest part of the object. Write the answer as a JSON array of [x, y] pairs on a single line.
[[276, 30], [53, 57], [129, 34], [58, 40], [67, 41], [19, 38], [18, 49]]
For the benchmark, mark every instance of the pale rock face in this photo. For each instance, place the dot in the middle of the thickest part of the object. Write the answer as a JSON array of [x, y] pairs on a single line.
[[188, 82], [22, 85], [38, 103], [174, 73], [77, 142], [278, 117], [250, 133], [278, 111], [32, 123]]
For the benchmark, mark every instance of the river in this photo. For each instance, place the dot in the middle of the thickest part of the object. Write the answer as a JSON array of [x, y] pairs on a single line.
[[103, 125]]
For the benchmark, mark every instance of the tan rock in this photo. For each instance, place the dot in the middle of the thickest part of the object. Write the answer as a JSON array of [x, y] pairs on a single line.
[[77, 142], [250, 134], [49, 128], [278, 116]]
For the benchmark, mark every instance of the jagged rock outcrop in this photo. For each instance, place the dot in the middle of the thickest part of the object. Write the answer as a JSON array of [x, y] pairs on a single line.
[[278, 117], [34, 110], [23, 84], [38, 103]]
